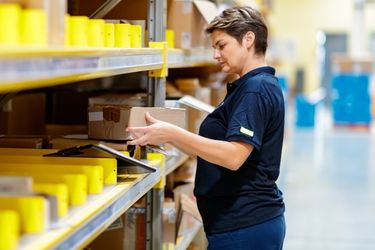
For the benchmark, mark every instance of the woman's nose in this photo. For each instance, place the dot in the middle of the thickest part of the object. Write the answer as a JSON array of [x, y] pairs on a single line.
[[216, 54]]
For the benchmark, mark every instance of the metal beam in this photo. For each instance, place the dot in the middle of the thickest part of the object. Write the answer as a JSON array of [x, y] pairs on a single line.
[[105, 8]]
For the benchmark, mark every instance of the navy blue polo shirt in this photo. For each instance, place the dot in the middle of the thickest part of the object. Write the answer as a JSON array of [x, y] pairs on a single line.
[[252, 112]]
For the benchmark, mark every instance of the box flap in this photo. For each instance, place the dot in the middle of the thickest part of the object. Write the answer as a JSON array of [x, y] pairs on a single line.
[[207, 9], [193, 102]]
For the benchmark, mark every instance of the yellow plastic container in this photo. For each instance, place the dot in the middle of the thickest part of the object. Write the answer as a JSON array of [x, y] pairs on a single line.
[[77, 183], [31, 209], [93, 173], [109, 35], [136, 36], [160, 160], [35, 155], [9, 229], [67, 30], [122, 35], [33, 28], [169, 35], [59, 190], [10, 24], [96, 32], [78, 30]]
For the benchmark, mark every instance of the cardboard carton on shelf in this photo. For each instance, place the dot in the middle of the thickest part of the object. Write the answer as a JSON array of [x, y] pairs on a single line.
[[187, 19], [191, 87], [7, 142], [347, 64], [23, 114], [81, 140], [125, 99], [58, 130], [110, 122]]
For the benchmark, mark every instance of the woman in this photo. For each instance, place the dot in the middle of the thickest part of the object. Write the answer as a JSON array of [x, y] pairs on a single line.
[[239, 143]]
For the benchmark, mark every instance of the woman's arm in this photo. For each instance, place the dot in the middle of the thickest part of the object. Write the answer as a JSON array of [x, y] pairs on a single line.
[[230, 155]]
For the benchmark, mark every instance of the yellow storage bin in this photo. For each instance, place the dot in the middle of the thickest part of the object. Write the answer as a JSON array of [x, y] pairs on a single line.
[[76, 183], [35, 155], [10, 15], [96, 32], [109, 35], [93, 173], [32, 210], [78, 30], [9, 229], [33, 28], [59, 190], [122, 35]]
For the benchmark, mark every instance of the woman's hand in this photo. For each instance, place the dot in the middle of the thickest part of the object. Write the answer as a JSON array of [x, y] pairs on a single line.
[[157, 132]]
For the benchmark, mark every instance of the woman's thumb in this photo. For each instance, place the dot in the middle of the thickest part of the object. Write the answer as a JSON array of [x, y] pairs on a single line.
[[150, 119]]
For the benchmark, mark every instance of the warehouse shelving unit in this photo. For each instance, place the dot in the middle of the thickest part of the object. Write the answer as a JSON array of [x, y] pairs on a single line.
[[36, 68], [179, 58], [33, 68], [86, 222]]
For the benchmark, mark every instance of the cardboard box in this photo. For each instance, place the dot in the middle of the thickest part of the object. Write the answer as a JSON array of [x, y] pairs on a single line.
[[169, 222], [7, 142], [24, 114], [110, 122], [131, 100], [218, 94], [188, 19], [113, 234], [65, 129], [346, 64], [191, 87], [60, 143], [25, 141], [187, 210]]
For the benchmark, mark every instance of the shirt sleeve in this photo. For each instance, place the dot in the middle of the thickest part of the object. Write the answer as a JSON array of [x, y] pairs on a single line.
[[248, 118]]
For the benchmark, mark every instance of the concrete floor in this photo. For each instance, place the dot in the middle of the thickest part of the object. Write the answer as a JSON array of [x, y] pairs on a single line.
[[328, 181]]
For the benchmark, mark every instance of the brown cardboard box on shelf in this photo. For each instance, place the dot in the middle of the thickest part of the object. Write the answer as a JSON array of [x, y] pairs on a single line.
[[6, 142], [24, 114], [110, 122], [188, 19], [113, 234], [169, 222], [57, 130], [61, 143], [186, 172], [218, 94], [191, 86], [187, 210], [24, 141], [346, 64], [135, 100]]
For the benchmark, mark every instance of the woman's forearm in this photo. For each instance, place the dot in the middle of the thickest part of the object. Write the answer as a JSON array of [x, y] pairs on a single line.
[[229, 155]]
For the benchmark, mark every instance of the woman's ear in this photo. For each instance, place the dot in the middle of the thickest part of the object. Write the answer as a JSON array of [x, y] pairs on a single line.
[[249, 39]]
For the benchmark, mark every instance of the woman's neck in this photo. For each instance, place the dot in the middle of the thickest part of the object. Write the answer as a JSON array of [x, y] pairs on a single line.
[[254, 62]]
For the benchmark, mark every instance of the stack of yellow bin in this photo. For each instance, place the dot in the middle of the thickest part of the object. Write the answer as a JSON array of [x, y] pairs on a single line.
[[69, 180]]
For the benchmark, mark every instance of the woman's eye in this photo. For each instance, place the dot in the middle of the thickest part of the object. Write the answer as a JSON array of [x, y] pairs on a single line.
[[221, 46]]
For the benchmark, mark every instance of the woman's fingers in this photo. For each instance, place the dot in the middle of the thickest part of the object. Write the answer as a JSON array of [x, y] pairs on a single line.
[[137, 129], [139, 141]]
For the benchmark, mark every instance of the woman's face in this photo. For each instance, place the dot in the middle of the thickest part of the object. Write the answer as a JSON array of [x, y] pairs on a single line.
[[230, 54]]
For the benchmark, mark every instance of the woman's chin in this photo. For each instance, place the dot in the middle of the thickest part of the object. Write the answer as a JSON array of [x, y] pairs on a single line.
[[225, 69]]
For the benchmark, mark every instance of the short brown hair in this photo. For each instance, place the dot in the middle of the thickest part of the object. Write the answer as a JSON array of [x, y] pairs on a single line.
[[237, 21]]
